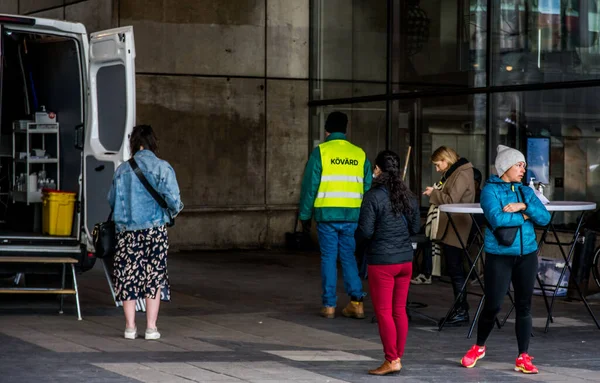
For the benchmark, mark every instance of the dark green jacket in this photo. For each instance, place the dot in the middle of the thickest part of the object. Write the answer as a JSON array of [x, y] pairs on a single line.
[[310, 186]]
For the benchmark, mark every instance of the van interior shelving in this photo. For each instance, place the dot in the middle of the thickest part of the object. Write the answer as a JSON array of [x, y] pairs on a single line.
[[67, 106], [39, 73]]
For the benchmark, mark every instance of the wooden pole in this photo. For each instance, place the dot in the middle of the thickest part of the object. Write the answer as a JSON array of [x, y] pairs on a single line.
[[406, 163]]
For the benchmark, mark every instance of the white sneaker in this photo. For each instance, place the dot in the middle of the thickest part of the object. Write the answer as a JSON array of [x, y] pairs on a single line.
[[130, 333], [152, 334], [421, 280]]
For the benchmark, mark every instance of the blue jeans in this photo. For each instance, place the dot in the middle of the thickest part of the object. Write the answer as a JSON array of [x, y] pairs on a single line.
[[337, 238]]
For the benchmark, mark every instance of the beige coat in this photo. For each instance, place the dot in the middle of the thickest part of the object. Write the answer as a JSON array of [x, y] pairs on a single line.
[[459, 188]]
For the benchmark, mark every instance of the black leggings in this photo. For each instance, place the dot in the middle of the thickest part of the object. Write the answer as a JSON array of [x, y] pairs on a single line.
[[499, 271]]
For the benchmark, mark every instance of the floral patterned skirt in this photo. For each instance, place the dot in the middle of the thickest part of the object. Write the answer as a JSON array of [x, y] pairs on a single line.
[[140, 264]]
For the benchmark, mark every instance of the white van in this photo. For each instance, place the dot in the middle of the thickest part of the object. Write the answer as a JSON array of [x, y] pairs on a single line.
[[67, 107]]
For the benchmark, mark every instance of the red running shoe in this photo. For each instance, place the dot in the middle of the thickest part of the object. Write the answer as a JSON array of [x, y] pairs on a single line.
[[472, 356], [524, 364]]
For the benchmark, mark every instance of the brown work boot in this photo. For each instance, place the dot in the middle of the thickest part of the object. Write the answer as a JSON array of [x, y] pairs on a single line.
[[354, 309], [387, 368], [328, 312]]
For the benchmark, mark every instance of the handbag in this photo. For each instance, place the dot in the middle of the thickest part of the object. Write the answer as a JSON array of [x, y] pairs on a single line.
[[298, 240], [432, 223], [506, 235], [159, 199], [436, 259], [104, 238]]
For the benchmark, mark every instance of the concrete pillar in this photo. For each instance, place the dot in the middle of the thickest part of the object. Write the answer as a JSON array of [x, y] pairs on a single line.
[[96, 15], [225, 85], [52, 13], [9, 6], [287, 38], [198, 37], [31, 6]]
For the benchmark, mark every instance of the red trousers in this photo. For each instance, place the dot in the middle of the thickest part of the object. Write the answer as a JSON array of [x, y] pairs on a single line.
[[389, 292]]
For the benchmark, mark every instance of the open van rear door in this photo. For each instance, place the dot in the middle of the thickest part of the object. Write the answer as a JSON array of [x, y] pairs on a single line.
[[110, 119]]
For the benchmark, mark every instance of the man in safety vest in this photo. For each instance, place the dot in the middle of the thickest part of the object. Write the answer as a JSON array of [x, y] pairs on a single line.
[[336, 177]]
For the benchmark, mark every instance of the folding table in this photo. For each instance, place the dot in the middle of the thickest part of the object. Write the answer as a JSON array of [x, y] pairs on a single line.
[[472, 209], [565, 206], [553, 207]]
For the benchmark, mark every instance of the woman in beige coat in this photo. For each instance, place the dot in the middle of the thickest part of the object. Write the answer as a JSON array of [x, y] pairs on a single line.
[[457, 185]]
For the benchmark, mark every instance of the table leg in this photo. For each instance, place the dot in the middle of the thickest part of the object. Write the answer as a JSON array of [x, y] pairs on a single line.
[[498, 323], [477, 313], [411, 310], [567, 259], [539, 280], [76, 291], [479, 232], [472, 264], [562, 273], [62, 286], [109, 280]]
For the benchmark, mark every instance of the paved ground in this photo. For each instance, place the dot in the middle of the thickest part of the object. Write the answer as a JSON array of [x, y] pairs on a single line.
[[252, 317]]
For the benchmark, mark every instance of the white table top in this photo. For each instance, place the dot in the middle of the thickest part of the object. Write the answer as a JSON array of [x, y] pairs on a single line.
[[475, 208]]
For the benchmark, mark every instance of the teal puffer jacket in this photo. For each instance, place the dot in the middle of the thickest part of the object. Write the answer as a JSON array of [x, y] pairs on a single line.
[[495, 195]]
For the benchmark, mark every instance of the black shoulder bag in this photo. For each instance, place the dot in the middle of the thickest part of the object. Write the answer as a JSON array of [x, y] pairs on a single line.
[[506, 235], [159, 199], [104, 238]]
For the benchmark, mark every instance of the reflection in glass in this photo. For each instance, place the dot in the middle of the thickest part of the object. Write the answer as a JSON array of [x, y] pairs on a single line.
[[452, 122], [569, 119], [538, 160], [444, 45], [537, 41], [440, 44], [349, 48], [366, 125]]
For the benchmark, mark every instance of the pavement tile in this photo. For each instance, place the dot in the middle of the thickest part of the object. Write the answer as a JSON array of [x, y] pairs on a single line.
[[238, 317], [318, 355]]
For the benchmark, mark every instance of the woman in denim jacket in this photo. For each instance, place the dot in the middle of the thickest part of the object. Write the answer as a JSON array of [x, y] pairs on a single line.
[[140, 264], [509, 206]]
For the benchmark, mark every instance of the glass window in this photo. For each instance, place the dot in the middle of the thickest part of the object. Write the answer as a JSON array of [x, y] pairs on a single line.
[[349, 49], [455, 122], [568, 121], [403, 130], [443, 45], [366, 125], [112, 106], [538, 41], [440, 44]]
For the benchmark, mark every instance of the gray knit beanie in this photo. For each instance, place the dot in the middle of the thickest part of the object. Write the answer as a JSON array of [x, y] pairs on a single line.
[[506, 158]]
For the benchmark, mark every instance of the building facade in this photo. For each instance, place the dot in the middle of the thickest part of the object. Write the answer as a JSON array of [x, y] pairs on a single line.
[[225, 86], [469, 74], [238, 93]]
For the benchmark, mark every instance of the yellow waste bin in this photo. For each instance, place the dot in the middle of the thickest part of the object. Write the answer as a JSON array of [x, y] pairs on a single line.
[[57, 215]]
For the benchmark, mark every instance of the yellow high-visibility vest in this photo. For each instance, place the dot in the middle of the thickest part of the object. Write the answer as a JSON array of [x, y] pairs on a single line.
[[343, 174]]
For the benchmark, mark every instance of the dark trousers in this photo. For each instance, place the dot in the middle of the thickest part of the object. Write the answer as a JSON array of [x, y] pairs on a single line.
[[453, 257], [424, 245], [500, 270], [427, 262]]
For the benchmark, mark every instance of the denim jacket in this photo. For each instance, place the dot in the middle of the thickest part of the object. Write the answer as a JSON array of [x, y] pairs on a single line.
[[133, 206]]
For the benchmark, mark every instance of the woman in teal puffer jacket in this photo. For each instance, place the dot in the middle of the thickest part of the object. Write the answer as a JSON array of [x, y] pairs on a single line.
[[510, 207]]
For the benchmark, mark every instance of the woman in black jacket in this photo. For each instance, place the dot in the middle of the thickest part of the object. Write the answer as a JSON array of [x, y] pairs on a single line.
[[388, 215]]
